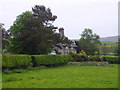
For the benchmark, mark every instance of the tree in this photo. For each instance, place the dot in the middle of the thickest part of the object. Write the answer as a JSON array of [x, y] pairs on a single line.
[[34, 32], [5, 38], [117, 49], [89, 42], [16, 29]]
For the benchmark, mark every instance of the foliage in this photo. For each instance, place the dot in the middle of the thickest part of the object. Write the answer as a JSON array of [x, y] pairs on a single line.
[[50, 60], [15, 31], [82, 53], [81, 57], [20, 23], [15, 61], [78, 58], [89, 42], [107, 49], [24, 61], [111, 59], [71, 52], [95, 58], [5, 38], [34, 32], [117, 49]]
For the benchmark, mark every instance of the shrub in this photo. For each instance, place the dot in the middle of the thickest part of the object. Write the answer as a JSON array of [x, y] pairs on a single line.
[[78, 58], [82, 53], [15, 61], [50, 60], [71, 52], [94, 58], [111, 59], [81, 57]]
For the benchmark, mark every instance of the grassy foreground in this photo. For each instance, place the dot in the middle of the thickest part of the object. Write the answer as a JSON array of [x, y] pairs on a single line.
[[63, 77]]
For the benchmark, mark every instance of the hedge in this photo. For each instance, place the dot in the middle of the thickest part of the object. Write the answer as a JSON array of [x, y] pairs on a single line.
[[95, 58], [78, 58], [15, 61], [111, 59], [50, 60]]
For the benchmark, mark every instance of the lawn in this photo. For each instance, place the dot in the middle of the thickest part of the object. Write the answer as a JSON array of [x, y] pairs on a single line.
[[63, 77]]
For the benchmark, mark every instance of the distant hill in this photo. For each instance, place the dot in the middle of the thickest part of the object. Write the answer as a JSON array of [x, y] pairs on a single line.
[[112, 38]]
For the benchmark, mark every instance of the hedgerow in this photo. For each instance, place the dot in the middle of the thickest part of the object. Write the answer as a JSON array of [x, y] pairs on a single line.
[[50, 60], [15, 61], [23, 61], [111, 59]]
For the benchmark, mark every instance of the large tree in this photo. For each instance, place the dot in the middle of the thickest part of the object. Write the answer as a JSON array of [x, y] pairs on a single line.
[[89, 42], [33, 32], [16, 30]]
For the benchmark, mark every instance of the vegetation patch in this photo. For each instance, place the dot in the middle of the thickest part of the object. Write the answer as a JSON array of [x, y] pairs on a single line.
[[111, 59], [10, 62], [69, 76], [50, 60], [12, 78], [15, 61]]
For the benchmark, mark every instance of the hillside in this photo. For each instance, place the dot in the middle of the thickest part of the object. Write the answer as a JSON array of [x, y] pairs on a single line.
[[109, 39], [109, 43], [112, 39]]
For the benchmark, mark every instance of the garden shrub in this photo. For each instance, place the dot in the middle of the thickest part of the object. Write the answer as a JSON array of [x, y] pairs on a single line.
[[82, 53], [78, 58], [50, 60], [94, 58], [111, 59], [71, 52], [15, 61], [81, 57]]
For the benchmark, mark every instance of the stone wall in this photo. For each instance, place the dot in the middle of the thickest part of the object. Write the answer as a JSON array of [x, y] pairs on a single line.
[[89, 63]]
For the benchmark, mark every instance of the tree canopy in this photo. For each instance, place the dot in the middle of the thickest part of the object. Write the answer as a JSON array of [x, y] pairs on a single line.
[[34, 32], [4, 41], [89, 41]]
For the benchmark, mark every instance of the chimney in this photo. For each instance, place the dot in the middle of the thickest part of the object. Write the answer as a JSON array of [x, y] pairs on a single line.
[[61, 31]]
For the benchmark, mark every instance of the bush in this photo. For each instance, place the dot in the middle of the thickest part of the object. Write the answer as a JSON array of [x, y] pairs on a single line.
[[78, 58], [94, 58], [82, 53], [71, 52], [50, 60], [111, 59], [15, 61], [81, 57]]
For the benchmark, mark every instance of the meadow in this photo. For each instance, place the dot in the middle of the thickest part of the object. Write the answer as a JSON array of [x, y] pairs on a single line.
[[109, 43], [67, 76]]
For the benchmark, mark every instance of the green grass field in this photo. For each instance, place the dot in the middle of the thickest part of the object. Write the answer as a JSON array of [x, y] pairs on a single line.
[[63, 77], [109, 43]]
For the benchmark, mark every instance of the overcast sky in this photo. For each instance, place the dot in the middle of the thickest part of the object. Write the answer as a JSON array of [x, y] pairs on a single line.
[[73, 15]]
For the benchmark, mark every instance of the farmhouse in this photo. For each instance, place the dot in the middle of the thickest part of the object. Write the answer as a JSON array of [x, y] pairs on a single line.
[[64, 47]]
